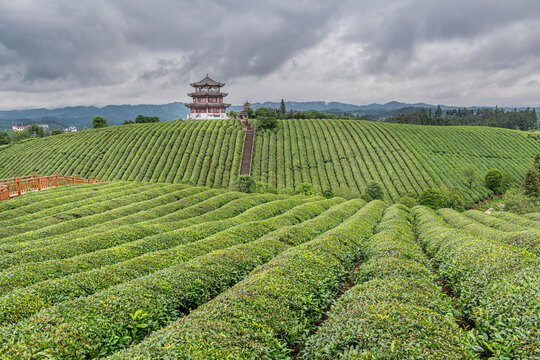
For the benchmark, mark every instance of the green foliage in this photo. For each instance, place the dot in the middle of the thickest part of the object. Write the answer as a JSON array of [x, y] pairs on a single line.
[[437, 199], [306, 189], [531, 184], [409, 201], [394, 292], [282, 108], [35, 131], [470, 174], [340, 155], [57, 132], [4, 138], [374, 190], [495, 281], [140, 119], [128, 122], [265, 188], [280, 302], [267, 123], [327, 193], [245, 183], [516, 119], [99, 122], [432, 198], [493, 180], [516, 201]]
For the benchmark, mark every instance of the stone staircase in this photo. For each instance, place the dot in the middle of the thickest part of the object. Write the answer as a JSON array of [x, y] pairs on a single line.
[[249, 141]]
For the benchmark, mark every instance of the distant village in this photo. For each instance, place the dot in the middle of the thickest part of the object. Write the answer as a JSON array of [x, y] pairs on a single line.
[[15, 127]]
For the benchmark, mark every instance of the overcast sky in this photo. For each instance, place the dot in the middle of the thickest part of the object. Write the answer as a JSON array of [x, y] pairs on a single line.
[[81, 52]]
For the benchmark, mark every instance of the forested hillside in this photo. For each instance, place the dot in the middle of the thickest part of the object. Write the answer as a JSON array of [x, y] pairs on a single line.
[[340, 155]]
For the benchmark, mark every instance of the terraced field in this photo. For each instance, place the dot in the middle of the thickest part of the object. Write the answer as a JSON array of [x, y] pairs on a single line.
[[131, 270], [330, 154]]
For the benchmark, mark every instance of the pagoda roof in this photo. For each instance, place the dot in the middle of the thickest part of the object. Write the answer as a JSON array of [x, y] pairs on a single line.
[[207, 81], [207, 105], [207, 93]]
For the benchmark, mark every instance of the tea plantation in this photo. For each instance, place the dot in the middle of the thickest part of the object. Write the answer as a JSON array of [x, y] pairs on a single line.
[[338, 155], [138, 270]]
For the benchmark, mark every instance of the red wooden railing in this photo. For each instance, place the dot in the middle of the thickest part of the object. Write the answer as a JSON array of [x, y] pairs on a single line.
[[16, 186]]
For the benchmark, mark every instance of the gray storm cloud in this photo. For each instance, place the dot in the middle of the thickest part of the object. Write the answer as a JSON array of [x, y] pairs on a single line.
[[63, 52]]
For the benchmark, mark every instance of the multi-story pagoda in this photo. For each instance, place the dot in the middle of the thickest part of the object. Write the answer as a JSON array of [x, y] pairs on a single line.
[[207, 100]]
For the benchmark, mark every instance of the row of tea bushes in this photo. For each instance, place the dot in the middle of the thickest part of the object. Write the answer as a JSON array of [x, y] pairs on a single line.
[[338, 155], [122, 244], [33, 206], [396, 310], [273, 308], [517, 219], [101, 323], [89, 273], [527, 239], [496, 222], [138, 211], [103, 201], [497, 285]]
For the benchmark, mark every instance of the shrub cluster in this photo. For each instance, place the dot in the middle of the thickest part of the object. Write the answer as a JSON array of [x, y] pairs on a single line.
[[497, 286]]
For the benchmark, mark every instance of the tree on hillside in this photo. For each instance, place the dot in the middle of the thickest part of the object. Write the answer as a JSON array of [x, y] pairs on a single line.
[[494, 180], [245, 183], [470, 175], [374, 190], [282, 108], [531, 184], [99, 122], [438, 112], [267, 123], [146, 119], [57, 132], [35, 131], [4, 138]]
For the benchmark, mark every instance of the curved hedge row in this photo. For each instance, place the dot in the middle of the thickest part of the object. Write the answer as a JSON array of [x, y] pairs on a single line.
[[497, 222], [32, 206], [528, 220], [533, 216], [131, 241], [23, 302], [103, 201], [528, 239], [498, 286], [273, 307], [396, 310]]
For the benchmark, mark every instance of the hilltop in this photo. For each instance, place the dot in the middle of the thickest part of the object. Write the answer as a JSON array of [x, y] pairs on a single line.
[[337, 155]]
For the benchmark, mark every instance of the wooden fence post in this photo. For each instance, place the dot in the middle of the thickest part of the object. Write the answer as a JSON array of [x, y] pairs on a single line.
[[55, 180], [18, 184], [39, 182]]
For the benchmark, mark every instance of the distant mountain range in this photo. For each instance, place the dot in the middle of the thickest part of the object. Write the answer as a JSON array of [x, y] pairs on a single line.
[[116, 114]]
